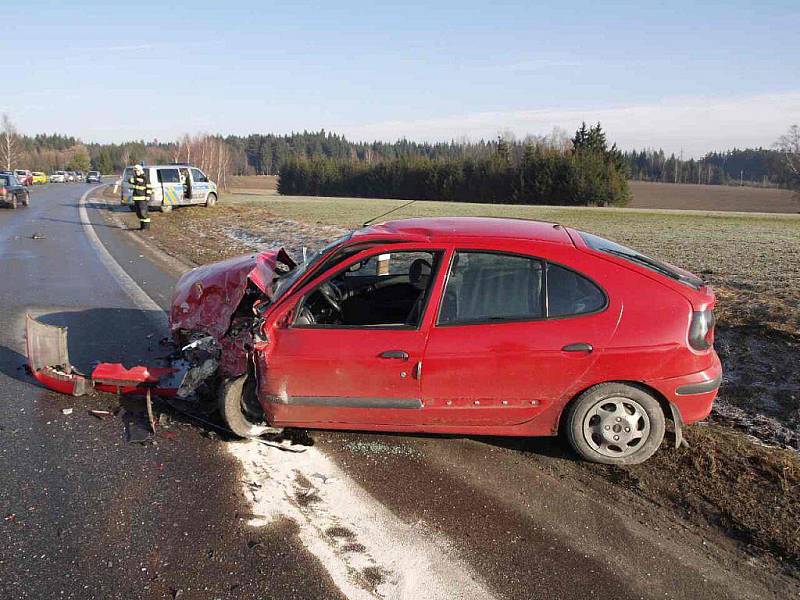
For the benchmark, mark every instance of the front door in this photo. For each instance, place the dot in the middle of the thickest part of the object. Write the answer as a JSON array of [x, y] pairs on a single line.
[[198, 186], [353, 351]]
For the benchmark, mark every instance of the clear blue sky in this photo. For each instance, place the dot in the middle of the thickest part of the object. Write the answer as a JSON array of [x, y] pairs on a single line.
[[670, 74]]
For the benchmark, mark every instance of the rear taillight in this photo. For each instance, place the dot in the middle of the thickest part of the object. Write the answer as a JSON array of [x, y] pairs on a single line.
[[2, 191], [701, 330]]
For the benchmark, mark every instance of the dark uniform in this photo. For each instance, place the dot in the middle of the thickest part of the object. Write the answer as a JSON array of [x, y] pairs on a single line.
[[142, 190]]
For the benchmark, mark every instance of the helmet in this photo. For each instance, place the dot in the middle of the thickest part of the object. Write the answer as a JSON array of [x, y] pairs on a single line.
[[138, 169]]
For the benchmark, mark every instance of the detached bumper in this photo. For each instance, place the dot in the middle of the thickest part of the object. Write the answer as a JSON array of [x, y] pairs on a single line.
[[48, 360], [693, 394]]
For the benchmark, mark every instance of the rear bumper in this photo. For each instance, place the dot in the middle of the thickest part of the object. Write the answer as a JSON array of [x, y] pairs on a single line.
[[693, 394]]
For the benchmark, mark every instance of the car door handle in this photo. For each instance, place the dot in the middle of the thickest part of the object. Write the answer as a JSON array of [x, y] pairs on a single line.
[[579, 347], [401, 354]]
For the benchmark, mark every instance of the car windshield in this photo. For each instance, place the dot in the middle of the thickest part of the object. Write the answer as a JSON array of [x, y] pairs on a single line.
[[596, 242], [311, 261]]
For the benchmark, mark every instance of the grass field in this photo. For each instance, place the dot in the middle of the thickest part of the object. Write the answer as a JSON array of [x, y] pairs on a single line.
[[724, 480]]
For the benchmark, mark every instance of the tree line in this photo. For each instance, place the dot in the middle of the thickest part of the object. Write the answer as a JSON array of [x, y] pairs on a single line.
[[271, 154], [751, 166], [587, 173]]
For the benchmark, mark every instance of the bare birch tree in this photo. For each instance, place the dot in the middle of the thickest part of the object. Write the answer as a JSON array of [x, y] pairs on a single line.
[[789, 147], [8, 142]]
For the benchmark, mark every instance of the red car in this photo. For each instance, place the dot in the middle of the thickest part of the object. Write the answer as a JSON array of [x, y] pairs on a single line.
[[24, 176], [457, 325]]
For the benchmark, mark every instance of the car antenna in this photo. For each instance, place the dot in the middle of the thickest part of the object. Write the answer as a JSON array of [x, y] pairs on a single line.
[[365, 223]]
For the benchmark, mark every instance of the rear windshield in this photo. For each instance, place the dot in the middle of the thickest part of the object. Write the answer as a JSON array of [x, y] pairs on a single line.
[[3, 181], [595, 242]]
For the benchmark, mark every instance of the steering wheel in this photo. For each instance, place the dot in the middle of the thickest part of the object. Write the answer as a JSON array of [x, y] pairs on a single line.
[[332, 295]]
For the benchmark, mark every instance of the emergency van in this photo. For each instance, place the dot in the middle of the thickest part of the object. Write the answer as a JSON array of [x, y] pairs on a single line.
[[173, 185]]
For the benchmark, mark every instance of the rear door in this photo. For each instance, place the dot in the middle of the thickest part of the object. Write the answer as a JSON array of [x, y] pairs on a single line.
[[506, 345], [170, 188]]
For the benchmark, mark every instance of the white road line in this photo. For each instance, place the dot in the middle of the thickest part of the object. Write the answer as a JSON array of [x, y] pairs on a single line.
[[353, 536], [137, 295]]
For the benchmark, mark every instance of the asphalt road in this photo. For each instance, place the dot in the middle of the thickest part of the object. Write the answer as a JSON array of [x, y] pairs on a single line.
[[86, 514]]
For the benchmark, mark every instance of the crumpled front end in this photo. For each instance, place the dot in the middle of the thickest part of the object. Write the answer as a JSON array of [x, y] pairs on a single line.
[[207, 297]]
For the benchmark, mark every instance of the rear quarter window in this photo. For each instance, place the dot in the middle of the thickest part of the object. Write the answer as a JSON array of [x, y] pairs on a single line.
[[570, 293]]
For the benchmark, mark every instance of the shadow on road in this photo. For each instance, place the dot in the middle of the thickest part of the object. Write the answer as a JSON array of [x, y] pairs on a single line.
[[109, 335]]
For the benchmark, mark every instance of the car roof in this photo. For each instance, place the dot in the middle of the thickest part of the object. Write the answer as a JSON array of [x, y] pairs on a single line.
[[444, 229]]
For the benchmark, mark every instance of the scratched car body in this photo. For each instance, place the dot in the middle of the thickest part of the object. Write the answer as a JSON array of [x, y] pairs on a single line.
[[458, 325]]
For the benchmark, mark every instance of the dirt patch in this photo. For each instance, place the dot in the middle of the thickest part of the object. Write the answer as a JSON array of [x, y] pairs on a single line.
[[724, 480], [686, 196], [255, 182]]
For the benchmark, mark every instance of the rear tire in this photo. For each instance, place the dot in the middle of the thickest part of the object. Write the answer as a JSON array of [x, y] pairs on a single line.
[[615, 424], [165, 208], [230, 407], [13, 200], [211, 200]]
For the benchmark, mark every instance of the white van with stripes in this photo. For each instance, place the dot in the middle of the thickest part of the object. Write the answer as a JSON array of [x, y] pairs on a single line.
[[173, 185]]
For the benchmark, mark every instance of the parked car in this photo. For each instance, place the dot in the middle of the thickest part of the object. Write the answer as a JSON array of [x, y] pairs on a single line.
[[173, 185], [93, 177], [473, 326], [12, 192], [58, 177], [71, 176], [24, 176], [39, 177], [80, 176]]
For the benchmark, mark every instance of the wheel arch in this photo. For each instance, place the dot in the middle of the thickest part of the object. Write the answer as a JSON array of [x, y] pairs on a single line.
[[666, 407]]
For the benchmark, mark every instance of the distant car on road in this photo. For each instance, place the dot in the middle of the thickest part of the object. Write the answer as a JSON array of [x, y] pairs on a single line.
[[12, 192], [58, 177], [173, 185], [24, 176], [80, 176], [93, 177], [70, 176], [39, 177]]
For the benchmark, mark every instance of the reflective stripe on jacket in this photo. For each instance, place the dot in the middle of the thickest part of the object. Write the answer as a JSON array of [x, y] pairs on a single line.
[[141, 188]]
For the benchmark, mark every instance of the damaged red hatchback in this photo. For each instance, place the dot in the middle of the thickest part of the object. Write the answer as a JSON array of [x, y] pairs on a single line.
[[456, 325], [473, 326]]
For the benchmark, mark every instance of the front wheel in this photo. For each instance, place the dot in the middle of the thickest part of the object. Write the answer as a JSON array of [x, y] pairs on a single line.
[[615, 424], [231, 406], [26, 201], [211, 200]]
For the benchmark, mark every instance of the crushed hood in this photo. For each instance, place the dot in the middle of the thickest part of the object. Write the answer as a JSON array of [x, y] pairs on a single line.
[[205, 298]]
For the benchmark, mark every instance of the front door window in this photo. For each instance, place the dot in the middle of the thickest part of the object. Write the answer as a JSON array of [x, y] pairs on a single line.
[[389, 289]]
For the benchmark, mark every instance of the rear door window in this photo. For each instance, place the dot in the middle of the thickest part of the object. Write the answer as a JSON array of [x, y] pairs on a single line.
[[485, 287], [569, 293], [169, 176]]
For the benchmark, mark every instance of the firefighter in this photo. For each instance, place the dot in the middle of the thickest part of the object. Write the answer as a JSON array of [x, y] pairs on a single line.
[[142, 190]]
